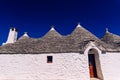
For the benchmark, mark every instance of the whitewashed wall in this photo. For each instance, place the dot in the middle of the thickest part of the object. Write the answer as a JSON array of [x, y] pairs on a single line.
[[65, 66], [110, 63]]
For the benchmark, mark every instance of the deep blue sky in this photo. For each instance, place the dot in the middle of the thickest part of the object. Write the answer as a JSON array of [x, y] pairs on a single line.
[[37, 16]]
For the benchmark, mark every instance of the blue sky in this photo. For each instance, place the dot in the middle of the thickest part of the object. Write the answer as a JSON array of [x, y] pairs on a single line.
[[37, 16]]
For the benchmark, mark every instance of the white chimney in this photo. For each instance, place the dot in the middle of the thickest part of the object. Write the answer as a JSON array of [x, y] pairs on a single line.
[[12, 36]]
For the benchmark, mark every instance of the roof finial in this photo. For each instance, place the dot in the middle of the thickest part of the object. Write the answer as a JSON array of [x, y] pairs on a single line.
[[25, 34], [78, 24], [107, 30], [52, 28]]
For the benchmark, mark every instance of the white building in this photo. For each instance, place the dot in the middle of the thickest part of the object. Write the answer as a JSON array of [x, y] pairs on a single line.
[[77, 56]]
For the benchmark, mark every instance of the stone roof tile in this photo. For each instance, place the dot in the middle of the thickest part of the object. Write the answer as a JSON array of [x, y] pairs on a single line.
[[53, 42], [111, 38]]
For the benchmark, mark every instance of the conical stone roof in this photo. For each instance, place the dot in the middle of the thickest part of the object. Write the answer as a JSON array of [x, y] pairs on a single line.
[[53, 42], [25, 36], [81, 34], [82, 37], [52, 33], [111, 38]]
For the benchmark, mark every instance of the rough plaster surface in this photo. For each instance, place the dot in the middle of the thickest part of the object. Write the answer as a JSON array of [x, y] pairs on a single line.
[[72, 66], [65, 66], [110, 63]]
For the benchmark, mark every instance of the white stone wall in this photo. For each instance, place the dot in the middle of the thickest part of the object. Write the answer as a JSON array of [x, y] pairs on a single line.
[[65, 66], [110, 63]]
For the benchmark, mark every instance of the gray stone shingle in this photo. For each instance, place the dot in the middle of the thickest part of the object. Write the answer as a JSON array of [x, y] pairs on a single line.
[[53, 42]]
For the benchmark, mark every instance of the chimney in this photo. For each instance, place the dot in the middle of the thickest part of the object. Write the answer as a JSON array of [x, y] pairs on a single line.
[[12, 36]]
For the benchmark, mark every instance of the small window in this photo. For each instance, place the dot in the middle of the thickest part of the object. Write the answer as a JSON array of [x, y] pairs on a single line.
[[49, 59]]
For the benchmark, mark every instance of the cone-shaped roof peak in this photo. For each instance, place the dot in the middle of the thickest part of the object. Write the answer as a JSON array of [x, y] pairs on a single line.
[[109, 37], [79, 25], [81, 34], [52, 28], [53, 42], [52, 33], [25, 36]]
